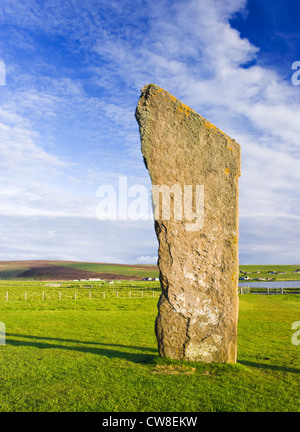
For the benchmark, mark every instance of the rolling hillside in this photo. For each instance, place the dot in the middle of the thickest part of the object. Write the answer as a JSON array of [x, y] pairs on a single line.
[[70, 270]]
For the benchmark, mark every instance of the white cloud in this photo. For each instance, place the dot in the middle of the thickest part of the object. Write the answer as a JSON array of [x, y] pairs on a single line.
[[147, 259], [79, 239]]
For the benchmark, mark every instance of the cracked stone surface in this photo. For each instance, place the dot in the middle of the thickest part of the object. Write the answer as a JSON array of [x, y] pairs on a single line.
[[198, 259]]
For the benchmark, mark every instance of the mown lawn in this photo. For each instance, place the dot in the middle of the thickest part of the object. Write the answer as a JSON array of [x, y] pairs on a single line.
[[100, 355]]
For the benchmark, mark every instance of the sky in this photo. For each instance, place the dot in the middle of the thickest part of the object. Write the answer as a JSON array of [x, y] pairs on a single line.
[[73, 74]]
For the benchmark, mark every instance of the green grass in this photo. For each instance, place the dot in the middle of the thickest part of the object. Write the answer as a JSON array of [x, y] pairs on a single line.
[[36, 290], [101, 355]]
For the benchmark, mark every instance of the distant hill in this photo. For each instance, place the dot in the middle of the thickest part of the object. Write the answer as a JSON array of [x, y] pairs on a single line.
[[69, 270]]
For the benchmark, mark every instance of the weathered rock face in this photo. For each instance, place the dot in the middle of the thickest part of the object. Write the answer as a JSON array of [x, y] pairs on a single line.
[[198, 240]]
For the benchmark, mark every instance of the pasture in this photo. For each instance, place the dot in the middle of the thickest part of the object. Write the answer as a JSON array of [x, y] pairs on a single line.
[[68, 270], [97, 353]]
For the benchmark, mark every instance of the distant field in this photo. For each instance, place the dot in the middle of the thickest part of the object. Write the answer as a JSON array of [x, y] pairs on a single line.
[[69, 270], [129, 270], [283, 272], [101, 355]]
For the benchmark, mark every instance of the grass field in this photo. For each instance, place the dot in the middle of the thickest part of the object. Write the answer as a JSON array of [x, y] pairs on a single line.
[[133, 271], [101, 355], [35, 291], [282, 272]]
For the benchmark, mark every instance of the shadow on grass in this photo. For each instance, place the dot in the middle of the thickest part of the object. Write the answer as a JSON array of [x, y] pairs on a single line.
[[269, 366], [99, 348], [76, 341], [149, 356]]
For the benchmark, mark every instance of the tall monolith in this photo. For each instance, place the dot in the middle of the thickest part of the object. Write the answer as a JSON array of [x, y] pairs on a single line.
[[194, 169]]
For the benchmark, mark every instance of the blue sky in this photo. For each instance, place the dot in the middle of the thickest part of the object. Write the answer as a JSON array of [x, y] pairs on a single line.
[[74, 71]]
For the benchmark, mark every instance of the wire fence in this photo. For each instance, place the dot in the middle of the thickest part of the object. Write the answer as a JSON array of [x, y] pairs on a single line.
[[17, 295], [41, 291]]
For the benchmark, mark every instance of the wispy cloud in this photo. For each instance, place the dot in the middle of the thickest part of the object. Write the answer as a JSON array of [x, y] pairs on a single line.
[[67, 116]]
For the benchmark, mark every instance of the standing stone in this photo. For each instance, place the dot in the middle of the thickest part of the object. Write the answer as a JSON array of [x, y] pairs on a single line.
[[196, 167]]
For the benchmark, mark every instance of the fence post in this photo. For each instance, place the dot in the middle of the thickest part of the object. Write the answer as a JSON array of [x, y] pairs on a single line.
[[104, 294], [117, 294], [6, 295], [25, 295], [90, 295], [59, 295], [43, 295], [130, 294], [142, 293], [75, 295]]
